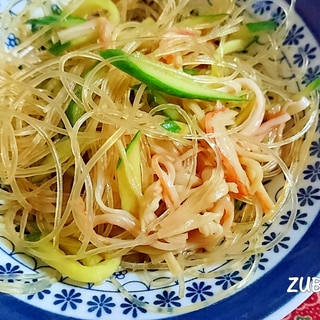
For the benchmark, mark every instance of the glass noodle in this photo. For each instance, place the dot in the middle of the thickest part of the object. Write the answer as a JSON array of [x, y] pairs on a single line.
[[100, 170]]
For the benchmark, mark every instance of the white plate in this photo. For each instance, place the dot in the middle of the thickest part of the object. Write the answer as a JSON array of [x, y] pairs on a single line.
[[265, 296]]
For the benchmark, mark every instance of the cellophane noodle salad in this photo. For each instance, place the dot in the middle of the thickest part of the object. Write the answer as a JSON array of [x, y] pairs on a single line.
[[141, 134]]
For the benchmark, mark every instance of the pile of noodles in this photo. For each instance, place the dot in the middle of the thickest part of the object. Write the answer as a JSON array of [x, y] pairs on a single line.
[[200, 193]]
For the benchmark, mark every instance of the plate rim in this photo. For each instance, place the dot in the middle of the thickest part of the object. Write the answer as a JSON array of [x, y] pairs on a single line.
[[283, 304]]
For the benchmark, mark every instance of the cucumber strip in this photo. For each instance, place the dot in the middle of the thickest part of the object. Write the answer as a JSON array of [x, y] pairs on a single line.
[[197, 21], [247, 35], [314, 85], [74, 110], [171, 113], [158, 76], [128, 173], [88, 7]]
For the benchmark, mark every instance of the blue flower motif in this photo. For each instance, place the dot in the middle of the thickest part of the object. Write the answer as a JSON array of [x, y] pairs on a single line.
[[251, 261], [199, 290], [12, 41], [315, 148], [305, 54], [68, 298], [262, 6], [281, 244], [8, 268], [278, 16], [100, 304], [228, 280], [312, 172], [312, 74], [308, 195], [169, 299], [294, 36], [40, 294], [299, 219], [120, 275], [133, 306]]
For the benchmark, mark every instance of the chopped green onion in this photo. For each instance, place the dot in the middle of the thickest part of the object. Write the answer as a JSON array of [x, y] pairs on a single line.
[[262, 26], [171, 126], [56, 20], [44, 21], [58, 48]]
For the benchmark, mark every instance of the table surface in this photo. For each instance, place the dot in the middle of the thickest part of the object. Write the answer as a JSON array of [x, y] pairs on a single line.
[[308, 310]]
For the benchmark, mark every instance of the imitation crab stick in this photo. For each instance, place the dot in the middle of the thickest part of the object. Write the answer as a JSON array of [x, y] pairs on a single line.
[[255, 175], [216, 122]]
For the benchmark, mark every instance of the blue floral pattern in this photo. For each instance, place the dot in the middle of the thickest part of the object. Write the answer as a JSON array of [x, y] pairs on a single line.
[[133, 307], [312, 74], [12, 41], [304, 55], [307, 196], [228, 280], [315, 148], [93, 301], [199, 291], [261, 6], [9, 269], [68, 298], [295, 35], [300, 219], [101, 304], [276, 248], [120, 275], [278, 15], [40, 295], [312, 172], [251, 261], [167, 299]]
